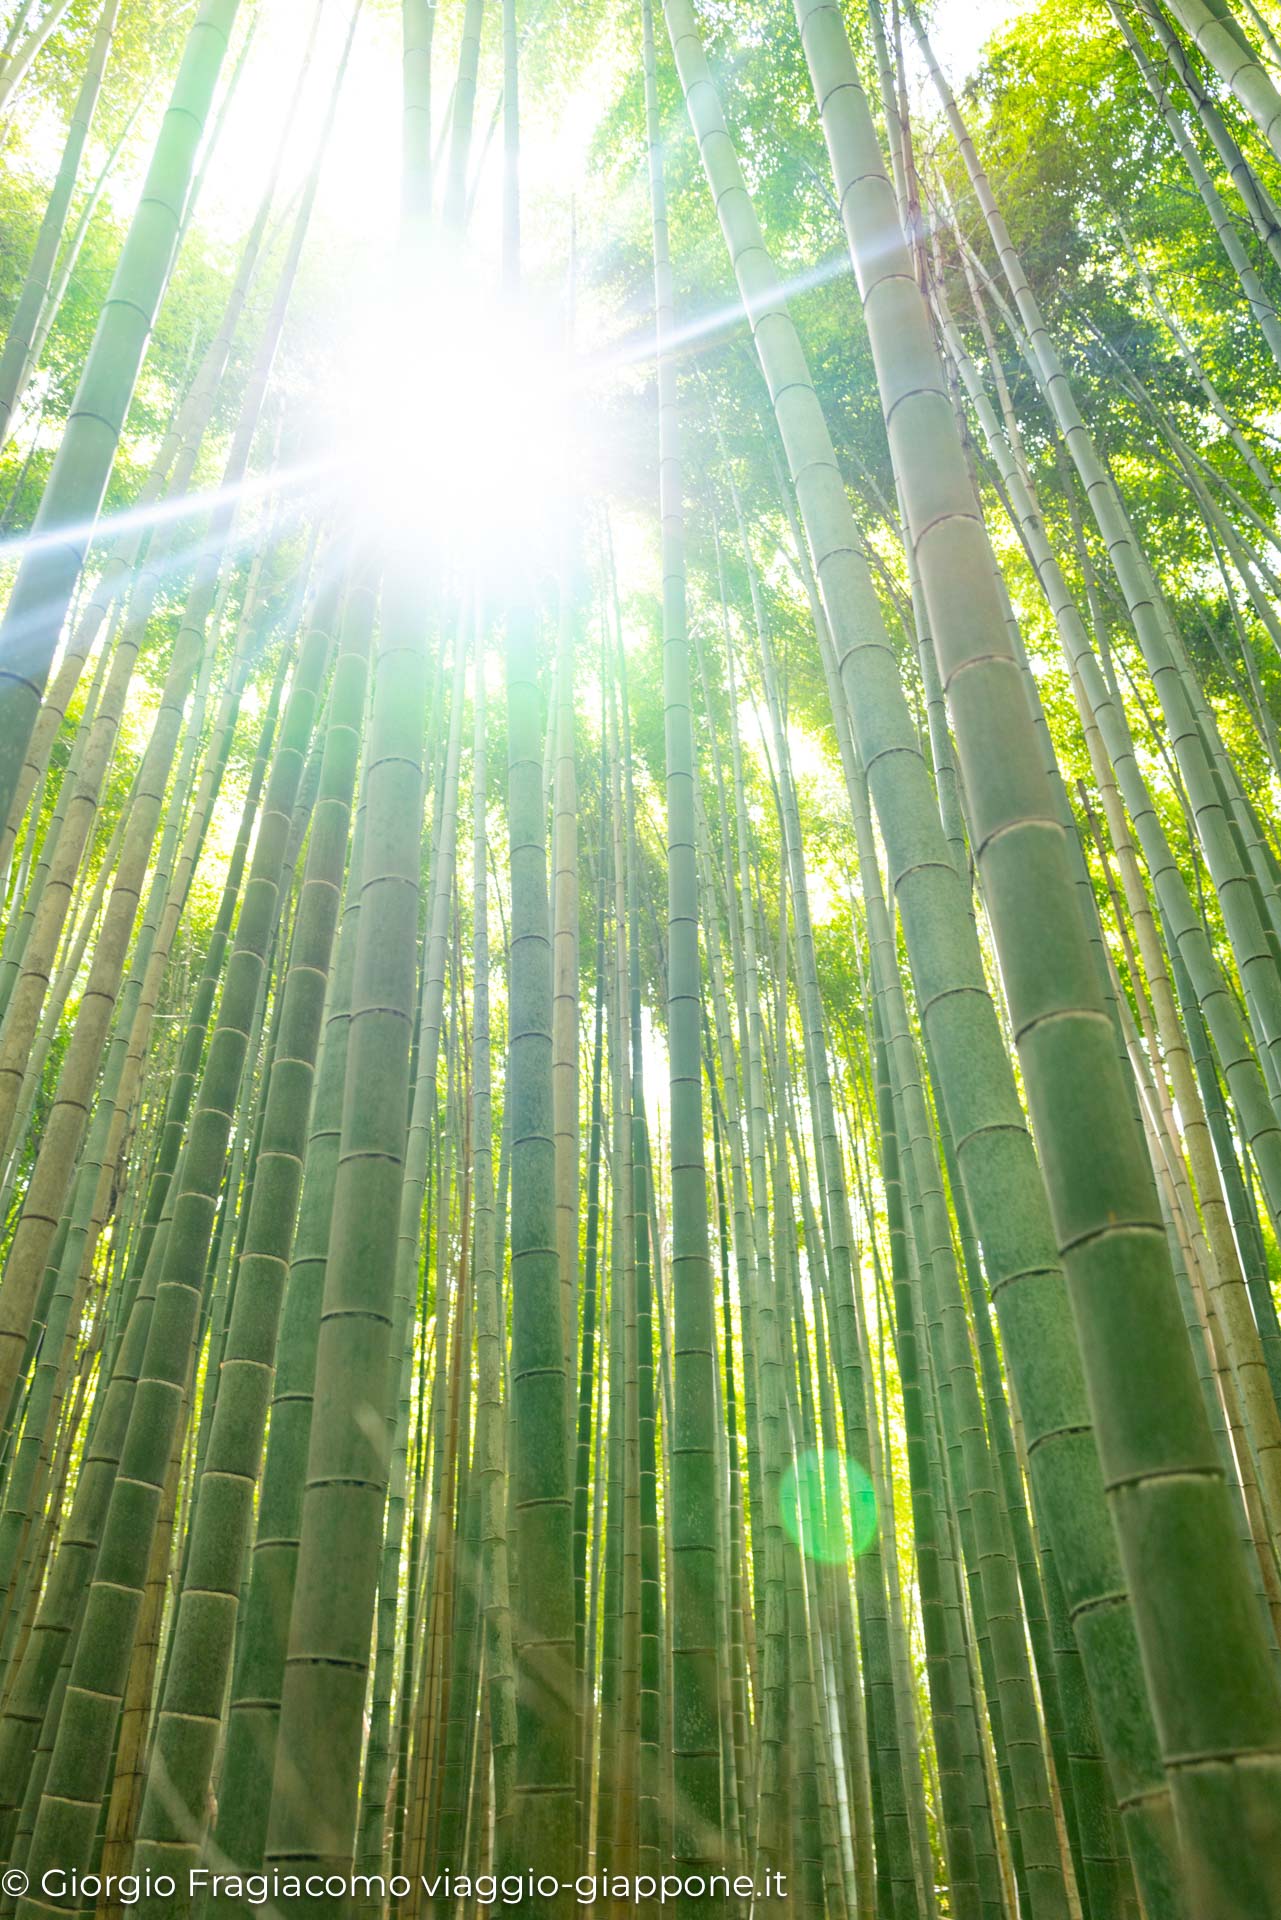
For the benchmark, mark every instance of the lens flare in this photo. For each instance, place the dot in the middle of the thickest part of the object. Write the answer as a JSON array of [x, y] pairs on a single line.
[[828, 1506], [453, 418]]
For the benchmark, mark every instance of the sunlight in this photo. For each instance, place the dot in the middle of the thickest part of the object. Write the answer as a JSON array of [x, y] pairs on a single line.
[[455, 419], [104, 528], [363, 150], [960, 34]]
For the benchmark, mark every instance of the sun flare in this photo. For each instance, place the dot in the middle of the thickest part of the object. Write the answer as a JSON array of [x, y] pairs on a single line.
[[455, 426]]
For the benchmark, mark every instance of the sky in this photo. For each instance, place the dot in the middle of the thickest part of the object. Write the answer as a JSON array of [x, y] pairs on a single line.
[[459, 328], [960, 29], [359, 189], [357, 212]]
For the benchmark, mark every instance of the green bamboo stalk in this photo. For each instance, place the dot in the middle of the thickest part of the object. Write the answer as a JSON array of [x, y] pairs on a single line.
[[461, 114], [244, 1798], [18, 61], [342, 1508], [491, 1450], [1258, 203], [65, 1825], [73, 494], [1150, 1500], [63, 1133], [588, 1362], [698, 1837], [200, 1664], [1215, 33], [35, 287], [565, 943], [541, 1496]]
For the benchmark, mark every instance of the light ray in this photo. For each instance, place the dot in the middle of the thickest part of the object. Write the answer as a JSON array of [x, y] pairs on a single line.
[[639, 347], [83, 535]]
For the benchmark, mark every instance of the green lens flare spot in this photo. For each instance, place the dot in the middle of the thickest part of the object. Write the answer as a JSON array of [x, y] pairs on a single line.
[[828, 1506]]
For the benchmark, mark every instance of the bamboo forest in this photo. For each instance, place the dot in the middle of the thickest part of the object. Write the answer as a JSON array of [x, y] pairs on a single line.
[[640, 959]]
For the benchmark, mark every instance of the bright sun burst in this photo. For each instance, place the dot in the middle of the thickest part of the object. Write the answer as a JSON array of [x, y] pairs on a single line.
[[453, 425]]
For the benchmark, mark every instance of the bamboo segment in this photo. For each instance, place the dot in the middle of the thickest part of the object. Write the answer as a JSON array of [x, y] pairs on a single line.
[[71, 499]]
